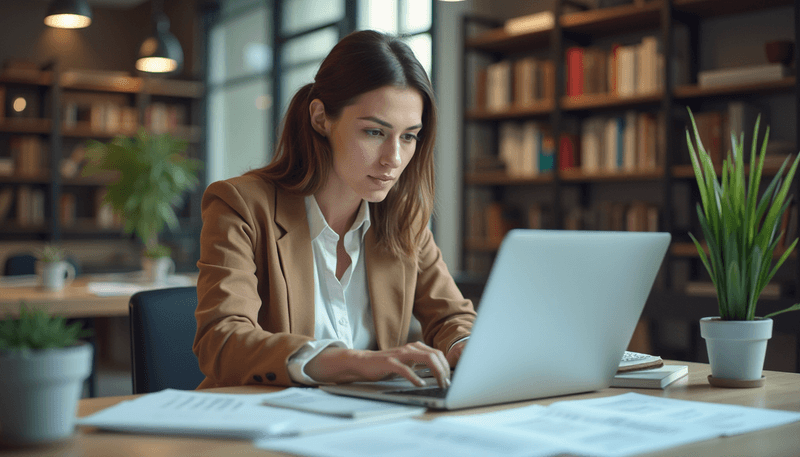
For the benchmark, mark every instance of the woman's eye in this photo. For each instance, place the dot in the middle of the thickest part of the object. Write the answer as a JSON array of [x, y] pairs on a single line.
[[373, 132], [410, 137]]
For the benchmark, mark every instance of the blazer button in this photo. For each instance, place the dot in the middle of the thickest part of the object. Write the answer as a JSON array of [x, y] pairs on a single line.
[[258, 378], [271, 376]]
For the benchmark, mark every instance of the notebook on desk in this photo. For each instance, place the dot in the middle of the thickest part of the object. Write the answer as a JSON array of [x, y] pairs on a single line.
[[557, 313]]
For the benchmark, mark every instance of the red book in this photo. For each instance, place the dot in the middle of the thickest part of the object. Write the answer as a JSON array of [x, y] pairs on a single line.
[[574, 71], [567, 151]]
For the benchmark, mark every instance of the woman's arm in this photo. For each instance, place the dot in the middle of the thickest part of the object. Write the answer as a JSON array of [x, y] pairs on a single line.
[[231, 345]]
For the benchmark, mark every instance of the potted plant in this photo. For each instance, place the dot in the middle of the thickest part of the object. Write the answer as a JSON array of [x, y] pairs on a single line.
[[742, 233], [153, 174], [54, 270], [44, 365]]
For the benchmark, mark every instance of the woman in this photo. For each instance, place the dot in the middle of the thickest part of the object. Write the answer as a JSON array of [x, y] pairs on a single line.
[[311, 267]]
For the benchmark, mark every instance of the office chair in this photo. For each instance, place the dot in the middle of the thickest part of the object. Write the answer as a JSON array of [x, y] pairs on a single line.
[[162, 331], [20, 264]]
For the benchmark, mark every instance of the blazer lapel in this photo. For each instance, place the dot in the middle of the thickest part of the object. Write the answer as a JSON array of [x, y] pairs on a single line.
[[386, 279], [297, 260]]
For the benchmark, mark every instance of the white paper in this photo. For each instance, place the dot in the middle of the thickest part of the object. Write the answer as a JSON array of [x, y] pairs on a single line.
[[116, 288], [588, 431], [318, 401], [726, 419], [179, 412], [628, 424], [414, 438]]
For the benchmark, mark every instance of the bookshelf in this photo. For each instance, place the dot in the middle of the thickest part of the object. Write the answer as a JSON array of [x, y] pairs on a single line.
[[73, 107], [667, 181]]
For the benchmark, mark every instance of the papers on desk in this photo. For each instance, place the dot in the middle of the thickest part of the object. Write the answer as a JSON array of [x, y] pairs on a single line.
[[20, 281], [179, 412], [628, 424], [116, 288]]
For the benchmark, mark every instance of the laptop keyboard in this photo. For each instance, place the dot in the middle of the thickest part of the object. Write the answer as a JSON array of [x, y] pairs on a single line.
[[432, 392]]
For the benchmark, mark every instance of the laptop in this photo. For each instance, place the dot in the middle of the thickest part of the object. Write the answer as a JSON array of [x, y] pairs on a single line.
[[557, 313]]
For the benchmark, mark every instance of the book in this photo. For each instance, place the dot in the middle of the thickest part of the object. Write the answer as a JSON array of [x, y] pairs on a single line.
[[742, 75], [638, 361], [651, 378], [321, 402]]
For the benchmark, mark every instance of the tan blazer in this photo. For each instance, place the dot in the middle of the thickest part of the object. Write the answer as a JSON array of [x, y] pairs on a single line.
[[255, 289]]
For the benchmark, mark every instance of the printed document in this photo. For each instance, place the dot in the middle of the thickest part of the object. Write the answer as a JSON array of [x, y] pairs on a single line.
[[180, 412]]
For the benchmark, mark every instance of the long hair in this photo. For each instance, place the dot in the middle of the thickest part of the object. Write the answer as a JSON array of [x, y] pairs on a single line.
[[361, 62]]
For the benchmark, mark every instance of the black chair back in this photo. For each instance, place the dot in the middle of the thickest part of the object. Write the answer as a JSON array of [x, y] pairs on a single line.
[[162, 331], [20, 264]]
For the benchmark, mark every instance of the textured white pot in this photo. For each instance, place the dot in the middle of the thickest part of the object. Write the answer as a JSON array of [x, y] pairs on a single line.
[[40, 393], [158, 271], [736, 349], [56, 275]]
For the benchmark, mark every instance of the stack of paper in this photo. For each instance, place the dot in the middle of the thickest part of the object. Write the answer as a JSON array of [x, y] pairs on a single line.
[[246, 416]]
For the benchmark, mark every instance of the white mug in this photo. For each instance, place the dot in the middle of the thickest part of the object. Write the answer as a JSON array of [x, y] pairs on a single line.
[[56, 275]]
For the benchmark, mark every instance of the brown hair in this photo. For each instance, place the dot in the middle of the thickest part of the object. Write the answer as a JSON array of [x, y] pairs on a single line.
[[361, 62]]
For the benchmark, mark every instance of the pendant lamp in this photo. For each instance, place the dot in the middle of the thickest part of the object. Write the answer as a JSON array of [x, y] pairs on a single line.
[[68, 14], [161, 52]]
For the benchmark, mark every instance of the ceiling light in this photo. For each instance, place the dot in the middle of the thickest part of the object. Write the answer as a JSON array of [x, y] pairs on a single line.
[[68, 14], [161, 52]]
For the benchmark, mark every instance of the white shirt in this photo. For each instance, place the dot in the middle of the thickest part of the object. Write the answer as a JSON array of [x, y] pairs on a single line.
[[342, 311]]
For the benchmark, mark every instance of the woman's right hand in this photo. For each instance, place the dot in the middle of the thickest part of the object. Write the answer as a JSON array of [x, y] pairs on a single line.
[[339, 365]]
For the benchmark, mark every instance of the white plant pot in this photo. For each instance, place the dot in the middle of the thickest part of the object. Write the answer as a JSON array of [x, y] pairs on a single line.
[[56, 275], [736, 349], [157, 271], [40, 393]]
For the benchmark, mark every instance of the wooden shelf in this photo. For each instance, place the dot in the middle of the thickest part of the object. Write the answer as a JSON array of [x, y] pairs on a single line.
[[595, 101], [42, 178], [716, 8], [500, 178], [694, 91], [577, 175], [499, 41], [686, 171], [690, 250], [174, 88], [540, 109], [132, 84], [25, 125], [611, 20], [40, 78]]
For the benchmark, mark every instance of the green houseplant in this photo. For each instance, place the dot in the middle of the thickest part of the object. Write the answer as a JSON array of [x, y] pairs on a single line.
[[153, 174], [44, 366], [742, 233]]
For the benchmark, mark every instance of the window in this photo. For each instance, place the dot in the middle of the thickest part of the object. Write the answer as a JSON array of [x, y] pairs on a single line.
[[260, 52]]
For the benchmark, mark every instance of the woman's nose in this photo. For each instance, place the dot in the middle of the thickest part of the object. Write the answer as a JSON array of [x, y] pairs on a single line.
[[390, 156]]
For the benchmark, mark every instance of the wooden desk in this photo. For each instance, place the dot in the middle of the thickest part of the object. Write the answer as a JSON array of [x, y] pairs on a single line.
[[73, 301], [782, 391]]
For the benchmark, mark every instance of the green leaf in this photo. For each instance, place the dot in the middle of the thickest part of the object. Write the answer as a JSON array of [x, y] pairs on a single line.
[[795, 307]]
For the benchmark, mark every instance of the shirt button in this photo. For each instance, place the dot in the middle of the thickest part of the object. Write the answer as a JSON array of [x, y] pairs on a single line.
[[342, 321]]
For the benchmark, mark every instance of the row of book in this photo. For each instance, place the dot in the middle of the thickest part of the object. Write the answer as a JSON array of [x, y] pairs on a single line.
[[624, 70], [491, 220], [521, 83], [24, 205], [628, 143], [29, 207], [108, 117], [27, 156]]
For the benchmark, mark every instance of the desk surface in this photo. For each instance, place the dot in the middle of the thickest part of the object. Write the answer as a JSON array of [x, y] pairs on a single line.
[[782, 391], [74, 300]]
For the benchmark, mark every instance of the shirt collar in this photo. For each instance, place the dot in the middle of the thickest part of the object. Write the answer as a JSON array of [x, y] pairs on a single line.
[[317, 222]]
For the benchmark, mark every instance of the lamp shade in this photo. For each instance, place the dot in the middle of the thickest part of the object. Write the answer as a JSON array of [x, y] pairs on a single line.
[[161, 52], [68, 14]]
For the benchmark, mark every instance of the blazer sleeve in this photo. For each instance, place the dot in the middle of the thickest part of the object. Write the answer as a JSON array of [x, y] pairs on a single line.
[[445, 315], [231, 345]]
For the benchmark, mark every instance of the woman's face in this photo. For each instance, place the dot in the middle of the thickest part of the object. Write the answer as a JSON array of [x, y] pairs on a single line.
[[373, 140]]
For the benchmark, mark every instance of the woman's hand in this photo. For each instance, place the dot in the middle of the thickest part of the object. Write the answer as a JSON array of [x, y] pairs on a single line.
[[340, 365]]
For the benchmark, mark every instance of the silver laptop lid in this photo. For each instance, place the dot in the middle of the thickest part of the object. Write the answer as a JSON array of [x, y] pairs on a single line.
[[557, 313]]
